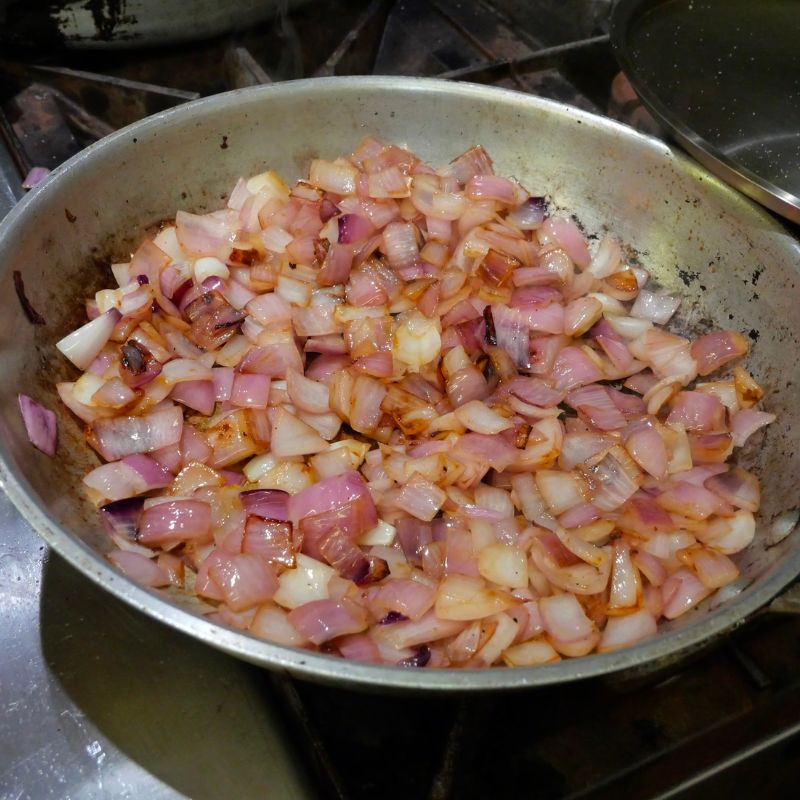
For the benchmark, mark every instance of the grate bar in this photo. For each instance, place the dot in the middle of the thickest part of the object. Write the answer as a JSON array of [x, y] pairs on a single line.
[[540, 59], [328, 68], [242, 70]]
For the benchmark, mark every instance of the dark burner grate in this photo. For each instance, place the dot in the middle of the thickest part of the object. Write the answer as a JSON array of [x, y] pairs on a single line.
[[49, 110]]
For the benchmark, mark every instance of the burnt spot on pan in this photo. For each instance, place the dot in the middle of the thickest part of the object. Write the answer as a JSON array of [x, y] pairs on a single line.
[[34, 317]]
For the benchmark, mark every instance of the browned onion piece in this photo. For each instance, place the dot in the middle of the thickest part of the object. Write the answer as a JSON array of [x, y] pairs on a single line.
[[213, 320]]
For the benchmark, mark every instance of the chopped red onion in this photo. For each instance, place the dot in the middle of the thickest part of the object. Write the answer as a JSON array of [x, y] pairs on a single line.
[[746, 422], [35, 176], [40, 424], [354, 228], [199, 395], [400, 245], [714, 350], [139, 568], [697, 411], [681, 591], [244, 580], [322, 620], [250, 391], [175, 521], [528, 216], [270, 540], [267, 503], [124, 436], [627, 630], [393, 356], [737, 487]]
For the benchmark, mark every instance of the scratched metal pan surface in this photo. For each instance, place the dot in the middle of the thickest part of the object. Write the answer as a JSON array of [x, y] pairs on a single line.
[[732, 264]]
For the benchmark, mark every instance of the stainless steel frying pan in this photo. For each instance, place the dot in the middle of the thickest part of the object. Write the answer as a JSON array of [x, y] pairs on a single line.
[[731, 262]]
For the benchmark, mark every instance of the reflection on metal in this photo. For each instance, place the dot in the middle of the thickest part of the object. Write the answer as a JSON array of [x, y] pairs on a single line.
[[788, 602], [10, 179]]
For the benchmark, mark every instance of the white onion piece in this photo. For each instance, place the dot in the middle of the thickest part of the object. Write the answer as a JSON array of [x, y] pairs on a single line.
[[530, 502], [530, 654], [478, 417], [627, 630], [730, 534], [306, 582], [275, 238], [504, 633], [272, 623], [494, 499], [564, 619], [417, 341], [606, 260], [657, 308], [83, 345], [337, 176], [713, 568], [560, 490], [461, 597], [307, 395], [294, 291], [504, 565], [628, 327], [184, 369], [291, 436], [86, 387], [269, 184], [382, 534], [259, 466], [208, 267], [421, 498], [625, 581]]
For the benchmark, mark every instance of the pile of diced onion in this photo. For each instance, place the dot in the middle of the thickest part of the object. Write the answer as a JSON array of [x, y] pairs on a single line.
[[407, 416]]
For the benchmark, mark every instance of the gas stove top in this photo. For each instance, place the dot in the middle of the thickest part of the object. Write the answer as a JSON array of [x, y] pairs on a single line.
[[100, 701]]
